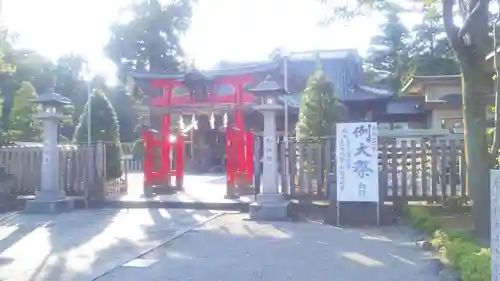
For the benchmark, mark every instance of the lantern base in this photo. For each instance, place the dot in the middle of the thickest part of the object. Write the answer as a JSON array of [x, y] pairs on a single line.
[[49, 207], [270, 207]]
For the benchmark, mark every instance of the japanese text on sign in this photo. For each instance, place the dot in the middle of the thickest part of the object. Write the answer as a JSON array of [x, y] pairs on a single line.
[[357, 162]]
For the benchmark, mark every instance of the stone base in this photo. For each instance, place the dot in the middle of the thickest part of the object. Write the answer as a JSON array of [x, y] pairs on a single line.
[[165, 189], [147, 193], [50, 195], [49, 207], [151, 191], [269, 207], [231, 196], [357, 214], [231, 193]]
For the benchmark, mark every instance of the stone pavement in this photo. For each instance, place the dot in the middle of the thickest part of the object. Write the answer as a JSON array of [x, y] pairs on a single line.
[[202, 188], [230, 248], [82, 245]]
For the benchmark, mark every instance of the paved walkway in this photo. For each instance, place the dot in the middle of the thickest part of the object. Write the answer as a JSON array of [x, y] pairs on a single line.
[[208, 188], [81, 245], [230, 248]]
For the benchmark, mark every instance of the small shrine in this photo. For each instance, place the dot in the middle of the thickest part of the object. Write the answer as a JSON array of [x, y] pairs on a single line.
[[205, 121]]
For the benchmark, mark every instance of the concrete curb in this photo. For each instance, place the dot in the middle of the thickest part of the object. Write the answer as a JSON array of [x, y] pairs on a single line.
[[160, 244], [155, 204]]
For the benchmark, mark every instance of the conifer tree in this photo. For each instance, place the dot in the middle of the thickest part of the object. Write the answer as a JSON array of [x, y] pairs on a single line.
[[104, 128], [23, 125], [319, 109]]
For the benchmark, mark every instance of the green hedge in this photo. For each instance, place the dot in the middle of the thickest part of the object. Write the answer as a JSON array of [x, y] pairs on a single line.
[[458, 247]]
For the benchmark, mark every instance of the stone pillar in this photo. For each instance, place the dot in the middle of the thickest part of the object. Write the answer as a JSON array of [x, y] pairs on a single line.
[[270, 163], [49, 189], [50, 198], [270, 204]]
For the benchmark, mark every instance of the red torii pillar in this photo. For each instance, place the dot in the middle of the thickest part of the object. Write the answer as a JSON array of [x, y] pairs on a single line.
[[239, 150], [159, 179]]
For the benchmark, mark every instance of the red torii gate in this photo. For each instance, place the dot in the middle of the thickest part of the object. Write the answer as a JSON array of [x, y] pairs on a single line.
[[201, 95]]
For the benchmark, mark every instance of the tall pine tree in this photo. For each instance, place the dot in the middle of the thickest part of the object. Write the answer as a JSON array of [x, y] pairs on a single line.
[[319, 109], [388, 61], [430, 51]]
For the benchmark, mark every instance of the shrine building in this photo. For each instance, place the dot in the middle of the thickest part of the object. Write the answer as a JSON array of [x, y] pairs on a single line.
[[200, 104]]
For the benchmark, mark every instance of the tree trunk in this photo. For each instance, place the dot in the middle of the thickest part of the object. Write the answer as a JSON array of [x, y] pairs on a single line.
[[476, 147], [470, 44]]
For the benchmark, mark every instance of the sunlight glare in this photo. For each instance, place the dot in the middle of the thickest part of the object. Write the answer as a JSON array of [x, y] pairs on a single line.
[[250, 32]]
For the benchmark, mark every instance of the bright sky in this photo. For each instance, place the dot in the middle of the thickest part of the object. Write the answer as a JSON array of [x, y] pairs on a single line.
[[221, 30]]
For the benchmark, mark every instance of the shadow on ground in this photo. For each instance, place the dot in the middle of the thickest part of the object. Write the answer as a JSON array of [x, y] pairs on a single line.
[[84, 244], [230, 248]]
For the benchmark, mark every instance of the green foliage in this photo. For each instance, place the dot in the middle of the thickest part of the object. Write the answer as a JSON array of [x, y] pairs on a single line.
[[104, 128], [430, 50], [421, 218], [388, 58], [458, 246], [124, 106], [148, 42], [4, 44], [472, 262], [477, 266], [151, 40], [471, 40], [396, 54], [319, 109], [23, 124]]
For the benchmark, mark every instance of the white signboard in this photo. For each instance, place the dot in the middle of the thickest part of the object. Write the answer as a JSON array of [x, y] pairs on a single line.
[[495, 224], [357, 162]]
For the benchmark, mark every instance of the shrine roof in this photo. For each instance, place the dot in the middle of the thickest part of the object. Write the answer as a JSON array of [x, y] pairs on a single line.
[[363, 92], [342, 67], [214, 73], [416, 82]]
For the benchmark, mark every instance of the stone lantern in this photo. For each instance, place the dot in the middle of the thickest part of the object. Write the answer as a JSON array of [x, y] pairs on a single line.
[[270, 204], [50, 198]]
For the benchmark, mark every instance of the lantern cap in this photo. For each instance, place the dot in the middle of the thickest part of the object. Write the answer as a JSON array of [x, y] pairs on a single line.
[[268, 87], [49, 97]]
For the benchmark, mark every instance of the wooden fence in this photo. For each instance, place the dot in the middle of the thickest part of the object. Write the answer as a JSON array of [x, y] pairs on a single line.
[[82, 169], [132, 164], [424, 170], [419, 169]]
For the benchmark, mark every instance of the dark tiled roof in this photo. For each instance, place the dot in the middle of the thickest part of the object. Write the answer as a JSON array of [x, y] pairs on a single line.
[[248, 68], [343, 70]]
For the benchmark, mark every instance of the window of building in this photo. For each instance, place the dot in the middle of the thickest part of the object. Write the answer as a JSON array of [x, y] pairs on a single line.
[[400, 126], [394, 126], [384, 126]]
